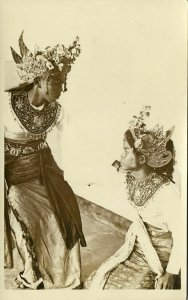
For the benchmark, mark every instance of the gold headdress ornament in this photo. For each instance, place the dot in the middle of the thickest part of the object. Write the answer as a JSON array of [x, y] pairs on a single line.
[[40, 63], [150, 142]]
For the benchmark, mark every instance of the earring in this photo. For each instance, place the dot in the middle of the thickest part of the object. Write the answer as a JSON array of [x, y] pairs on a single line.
[[142, 160]]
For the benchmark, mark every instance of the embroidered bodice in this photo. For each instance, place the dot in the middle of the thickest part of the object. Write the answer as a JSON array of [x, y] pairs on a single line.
[[35, 123], [140, 191]]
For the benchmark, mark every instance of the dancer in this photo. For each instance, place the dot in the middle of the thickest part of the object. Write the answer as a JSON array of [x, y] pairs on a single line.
[[150, 256], [41, 210]]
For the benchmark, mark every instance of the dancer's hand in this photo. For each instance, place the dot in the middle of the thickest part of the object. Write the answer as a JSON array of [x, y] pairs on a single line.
[[166, 281]]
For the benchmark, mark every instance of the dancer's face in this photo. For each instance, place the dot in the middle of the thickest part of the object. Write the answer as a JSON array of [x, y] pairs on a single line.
[[128, 159], [51, 87]]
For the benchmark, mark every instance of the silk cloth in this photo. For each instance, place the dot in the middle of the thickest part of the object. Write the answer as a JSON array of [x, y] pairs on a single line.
[[138, 264], [42, 212]]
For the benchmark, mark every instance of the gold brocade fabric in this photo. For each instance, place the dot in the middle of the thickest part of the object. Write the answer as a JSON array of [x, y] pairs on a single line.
[[39, 240], [135, 273], [44, 218]]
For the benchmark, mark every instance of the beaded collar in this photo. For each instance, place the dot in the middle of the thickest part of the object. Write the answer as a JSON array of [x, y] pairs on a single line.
[[36, 122], [140, 191]]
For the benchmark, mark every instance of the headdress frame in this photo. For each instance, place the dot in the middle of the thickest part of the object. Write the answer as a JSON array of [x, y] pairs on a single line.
[[151, 143], [53, 60]]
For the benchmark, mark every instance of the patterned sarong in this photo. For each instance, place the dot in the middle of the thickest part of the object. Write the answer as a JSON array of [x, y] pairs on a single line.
[[134, 272]]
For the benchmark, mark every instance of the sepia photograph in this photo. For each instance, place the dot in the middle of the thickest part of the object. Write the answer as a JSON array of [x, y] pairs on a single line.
[[93, 149]]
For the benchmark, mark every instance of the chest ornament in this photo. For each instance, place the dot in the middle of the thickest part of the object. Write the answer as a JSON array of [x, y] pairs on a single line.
[[37, 123], [140, 191]]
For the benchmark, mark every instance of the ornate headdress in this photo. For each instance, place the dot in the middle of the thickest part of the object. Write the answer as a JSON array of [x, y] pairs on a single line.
[[150, 142], [40, 63]]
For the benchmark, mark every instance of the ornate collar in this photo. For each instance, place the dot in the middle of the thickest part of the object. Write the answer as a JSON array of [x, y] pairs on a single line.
[[36, 122], [140, 191]]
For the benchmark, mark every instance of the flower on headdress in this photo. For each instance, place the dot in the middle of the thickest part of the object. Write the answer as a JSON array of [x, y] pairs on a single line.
[[137, 124], [67, 53], [49, 65], [138, 144], [60, 49], [60, 66], [48, 51], [40, 58], [36, 49], [74, 51], [32, 65], [158, 131]]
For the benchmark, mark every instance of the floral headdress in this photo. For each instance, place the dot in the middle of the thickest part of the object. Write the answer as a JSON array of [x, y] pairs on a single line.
[[40, 63], [150, 142]]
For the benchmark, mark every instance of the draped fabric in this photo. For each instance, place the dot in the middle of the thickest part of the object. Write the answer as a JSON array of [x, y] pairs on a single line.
[[42, 165], [138, 264], [42, 211]]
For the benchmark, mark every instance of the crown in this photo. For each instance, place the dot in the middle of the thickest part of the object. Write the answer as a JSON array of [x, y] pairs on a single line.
[[40, 63], [150, 142]]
